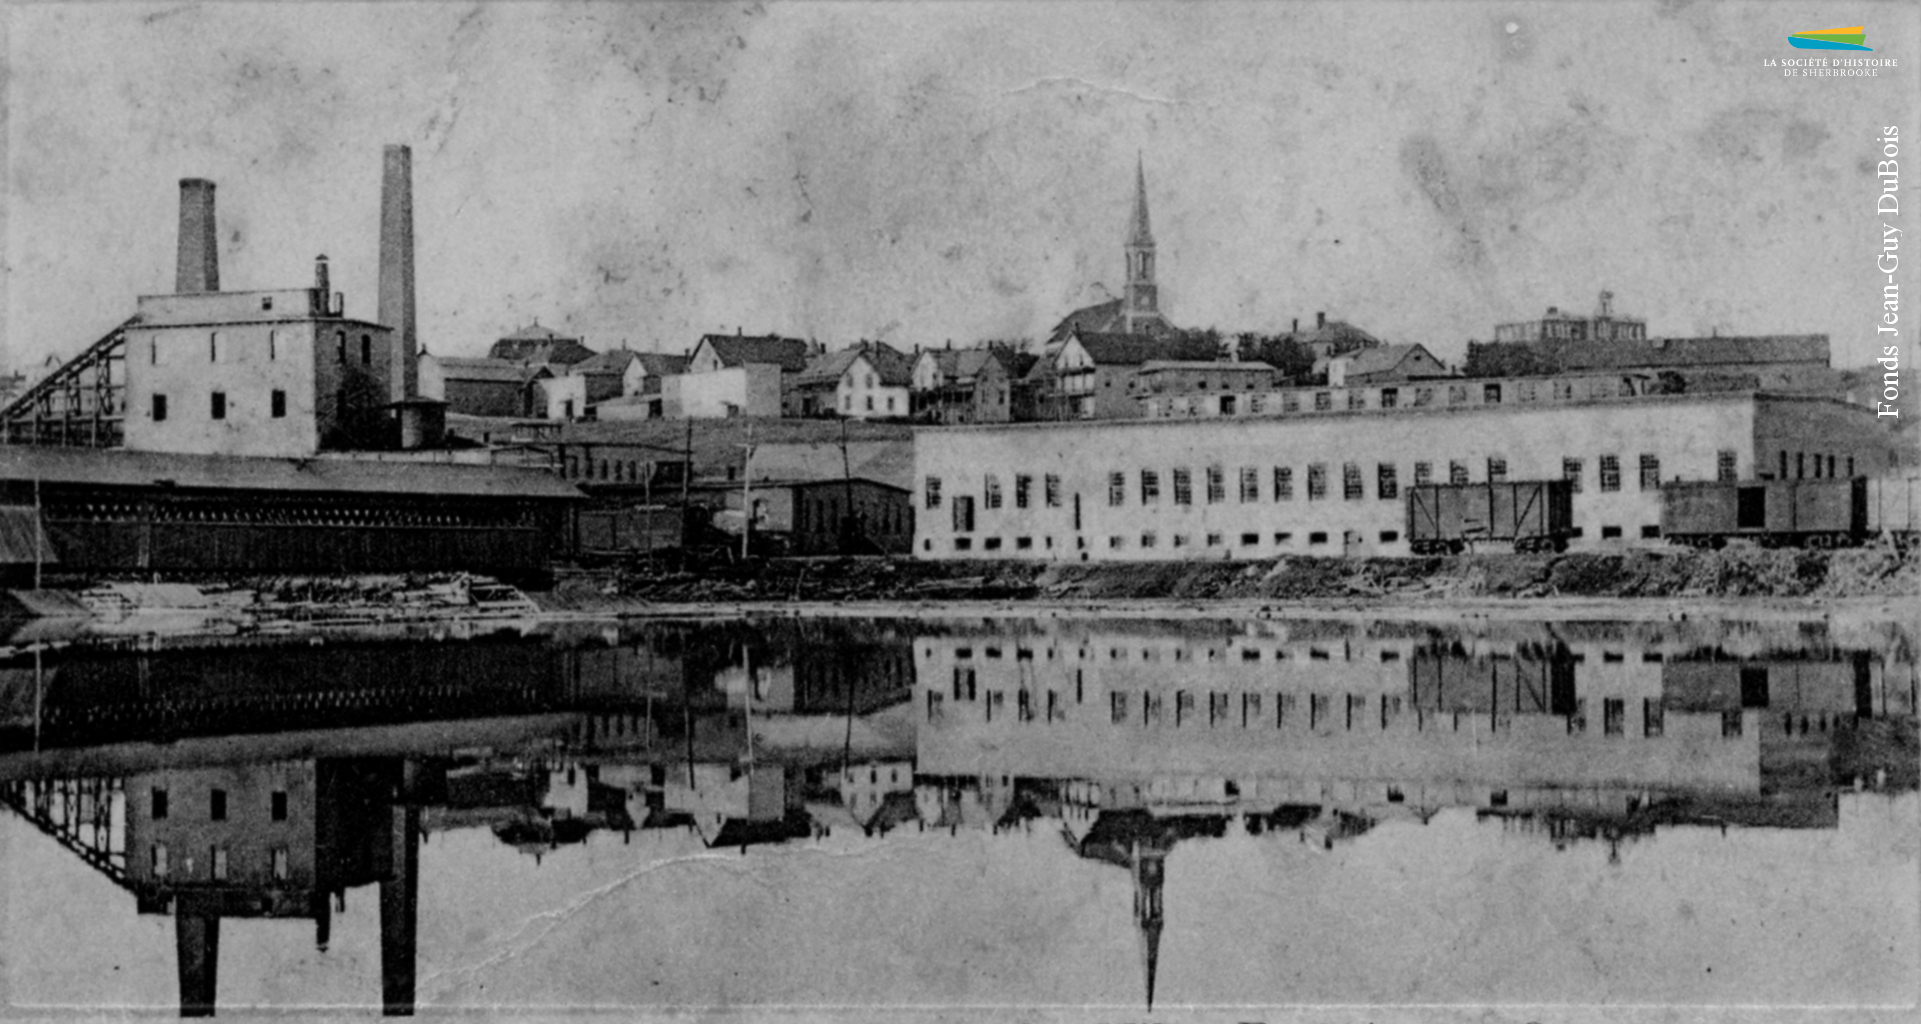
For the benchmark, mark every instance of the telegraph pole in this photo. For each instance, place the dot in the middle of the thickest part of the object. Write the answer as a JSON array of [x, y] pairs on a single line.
[[38, 530], [847, 486], [746, 492]]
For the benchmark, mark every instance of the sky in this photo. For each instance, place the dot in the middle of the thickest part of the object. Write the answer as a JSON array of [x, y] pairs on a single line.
[[926, 172]]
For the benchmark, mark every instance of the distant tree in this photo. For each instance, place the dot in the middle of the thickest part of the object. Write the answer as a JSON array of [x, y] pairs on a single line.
[[1670, 382], [1506, 359], [1293, 359], [1211, 335]]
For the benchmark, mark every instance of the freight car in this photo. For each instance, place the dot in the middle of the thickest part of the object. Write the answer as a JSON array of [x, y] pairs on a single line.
[[611, 529], [1532, 515], [1892, 512], [1773, 513]]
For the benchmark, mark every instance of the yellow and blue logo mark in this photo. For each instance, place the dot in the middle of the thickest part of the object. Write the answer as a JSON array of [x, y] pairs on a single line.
[[1830, 39]]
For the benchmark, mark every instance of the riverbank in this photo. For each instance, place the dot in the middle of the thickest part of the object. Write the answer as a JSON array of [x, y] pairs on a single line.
[[1651, 573]]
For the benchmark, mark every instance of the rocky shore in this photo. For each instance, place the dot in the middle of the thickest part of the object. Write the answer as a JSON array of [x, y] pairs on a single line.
[[1736, 572]]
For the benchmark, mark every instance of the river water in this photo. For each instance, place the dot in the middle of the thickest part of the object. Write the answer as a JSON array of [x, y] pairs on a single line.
[[1057, 811]]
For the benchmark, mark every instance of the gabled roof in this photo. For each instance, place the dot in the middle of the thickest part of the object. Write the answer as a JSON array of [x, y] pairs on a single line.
[[1382, 358], [661, 364], [790, 354], [958, 365], [1334, 332], [1101, 316], [615, 362], [491, 370], [894, 368], [1136, 349]]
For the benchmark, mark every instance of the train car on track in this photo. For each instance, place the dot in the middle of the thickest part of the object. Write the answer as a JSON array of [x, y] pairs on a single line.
[[1530, 515]]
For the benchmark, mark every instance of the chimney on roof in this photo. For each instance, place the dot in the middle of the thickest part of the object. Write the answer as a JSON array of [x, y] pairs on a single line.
[[1297, 325], [322, 286], [197, 263], [739, 330], [1320, 320], [397, 268]]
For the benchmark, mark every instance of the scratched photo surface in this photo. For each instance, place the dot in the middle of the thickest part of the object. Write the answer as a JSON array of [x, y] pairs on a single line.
[[1565, 807]]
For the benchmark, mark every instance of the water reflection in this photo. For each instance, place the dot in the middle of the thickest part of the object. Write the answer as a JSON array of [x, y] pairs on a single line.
[[249, 781]]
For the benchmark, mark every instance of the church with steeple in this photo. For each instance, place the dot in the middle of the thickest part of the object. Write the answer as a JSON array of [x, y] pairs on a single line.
[[1138, 309]]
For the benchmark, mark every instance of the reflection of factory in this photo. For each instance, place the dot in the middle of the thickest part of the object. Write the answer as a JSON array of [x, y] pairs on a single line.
[[100, 696], [282, 839], [1243, 721]]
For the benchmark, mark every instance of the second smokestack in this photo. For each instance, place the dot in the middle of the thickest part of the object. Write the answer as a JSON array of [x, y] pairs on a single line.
[[197, 266], [397, 267]]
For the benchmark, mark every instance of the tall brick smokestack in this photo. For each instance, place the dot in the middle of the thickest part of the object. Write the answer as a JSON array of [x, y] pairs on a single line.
[[197, 268], [397, 267]]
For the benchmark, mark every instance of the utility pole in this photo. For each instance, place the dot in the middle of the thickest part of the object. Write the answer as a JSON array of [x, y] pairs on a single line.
[[847, 488], [38, 531], [746, 492], [686, 480]]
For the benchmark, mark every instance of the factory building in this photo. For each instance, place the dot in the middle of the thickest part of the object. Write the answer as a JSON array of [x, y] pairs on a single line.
[[278, 372], [275, 373], [1335, 483]]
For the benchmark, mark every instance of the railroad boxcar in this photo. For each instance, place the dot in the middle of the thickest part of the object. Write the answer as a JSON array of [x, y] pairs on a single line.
[[1774, 513], [1531, 515], [1891, 509], [608, 530]]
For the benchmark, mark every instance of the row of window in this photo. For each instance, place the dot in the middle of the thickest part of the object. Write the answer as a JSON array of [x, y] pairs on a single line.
[[1808, 464], [1180, 654], [159, 861], [1386, 655], [217, 405], [1150, 539], [219, 348], [617, 470], [1420, 396], [1250, 710], [847, 403], [158, 805], [1281, 481]]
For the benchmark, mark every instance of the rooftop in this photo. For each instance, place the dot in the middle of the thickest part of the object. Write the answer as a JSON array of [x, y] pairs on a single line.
[[120, 468], [893, 366], [790, 354], [1135, 349]]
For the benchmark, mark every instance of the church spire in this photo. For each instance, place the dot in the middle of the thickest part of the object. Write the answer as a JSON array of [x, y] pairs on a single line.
[[1139, 233], [1141, 304]]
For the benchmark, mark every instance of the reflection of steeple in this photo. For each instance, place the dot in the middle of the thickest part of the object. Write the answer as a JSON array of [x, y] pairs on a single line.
[[1140, 842], [1150, 873]]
